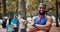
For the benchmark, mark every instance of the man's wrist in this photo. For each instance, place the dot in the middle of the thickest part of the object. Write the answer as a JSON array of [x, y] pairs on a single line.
[[37, 25]]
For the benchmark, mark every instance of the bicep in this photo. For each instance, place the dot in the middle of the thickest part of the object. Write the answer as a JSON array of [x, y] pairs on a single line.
[[33, 21], [49, 22]]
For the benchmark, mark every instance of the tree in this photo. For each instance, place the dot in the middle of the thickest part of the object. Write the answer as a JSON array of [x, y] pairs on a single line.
[[0, 7], [4, 7], [33, 4], [57, 25], [17, 8], [23, 4]]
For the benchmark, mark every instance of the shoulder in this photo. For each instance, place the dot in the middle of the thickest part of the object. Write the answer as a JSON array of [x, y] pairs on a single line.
[[49, 17], [34, 17]]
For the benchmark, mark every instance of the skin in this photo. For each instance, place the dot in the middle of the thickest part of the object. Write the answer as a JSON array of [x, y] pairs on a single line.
[[24, 23], [43, 28]]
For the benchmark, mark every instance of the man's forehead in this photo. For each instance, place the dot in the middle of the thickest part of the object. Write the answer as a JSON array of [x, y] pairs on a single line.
[[41, 6]]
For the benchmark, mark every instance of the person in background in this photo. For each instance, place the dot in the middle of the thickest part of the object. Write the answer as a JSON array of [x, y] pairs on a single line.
[[4, 28], [22, 24], [15, 23], [9, 26], [42, 22]]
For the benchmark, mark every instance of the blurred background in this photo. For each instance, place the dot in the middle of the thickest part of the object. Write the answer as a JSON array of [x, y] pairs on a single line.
[[29, 8]]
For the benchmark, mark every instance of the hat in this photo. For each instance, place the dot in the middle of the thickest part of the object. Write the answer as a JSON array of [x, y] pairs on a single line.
[[42, 4]]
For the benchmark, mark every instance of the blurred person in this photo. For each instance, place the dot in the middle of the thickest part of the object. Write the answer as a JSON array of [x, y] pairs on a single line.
[[4, 28], [9, 26], [15, 23], [42, 22], [22, 24]]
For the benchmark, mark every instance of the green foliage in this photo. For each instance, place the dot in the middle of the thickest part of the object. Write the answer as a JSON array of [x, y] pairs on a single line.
[[32, 6], [10, 13], [0, 4], [1, 15], [20, 12]]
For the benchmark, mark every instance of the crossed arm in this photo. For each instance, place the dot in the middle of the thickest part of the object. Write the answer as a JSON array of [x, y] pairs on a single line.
[[45, 27]]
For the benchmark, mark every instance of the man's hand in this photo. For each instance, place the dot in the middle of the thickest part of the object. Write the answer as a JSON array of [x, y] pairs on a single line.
[[32, 29]]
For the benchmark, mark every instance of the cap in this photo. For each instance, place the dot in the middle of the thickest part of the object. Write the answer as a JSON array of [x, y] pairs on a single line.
[[42, 4]]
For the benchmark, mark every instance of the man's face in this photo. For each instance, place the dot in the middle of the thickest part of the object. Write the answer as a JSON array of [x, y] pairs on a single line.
[[42, 10]]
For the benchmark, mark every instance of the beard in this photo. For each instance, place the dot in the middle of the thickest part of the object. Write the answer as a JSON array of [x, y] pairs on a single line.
[[42, 12]]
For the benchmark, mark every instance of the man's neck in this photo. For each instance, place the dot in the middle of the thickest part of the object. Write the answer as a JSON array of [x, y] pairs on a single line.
[[41, 16]]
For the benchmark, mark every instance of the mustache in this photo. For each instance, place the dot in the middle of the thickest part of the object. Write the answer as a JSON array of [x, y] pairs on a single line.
[[44, 11]]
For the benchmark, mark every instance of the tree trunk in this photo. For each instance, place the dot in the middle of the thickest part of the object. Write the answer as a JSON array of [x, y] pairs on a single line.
[[57, 25], [23, 4], [0, 6], [4, 7], [17, 8]]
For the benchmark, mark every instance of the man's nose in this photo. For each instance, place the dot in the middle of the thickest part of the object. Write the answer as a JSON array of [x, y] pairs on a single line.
[[41, 9]]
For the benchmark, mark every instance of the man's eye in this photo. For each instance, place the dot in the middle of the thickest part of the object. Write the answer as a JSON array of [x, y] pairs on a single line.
[[40, 7], [43, 8]]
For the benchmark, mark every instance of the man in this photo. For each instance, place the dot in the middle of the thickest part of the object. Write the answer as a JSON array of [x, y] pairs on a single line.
[[15, 23], [4, 28], [42, 22], [22, 24]]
